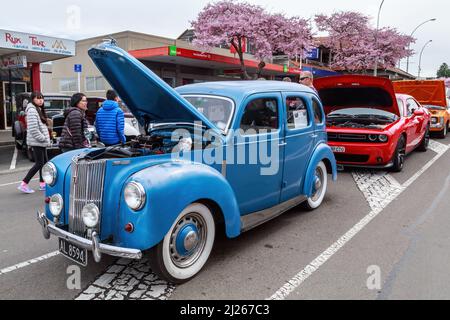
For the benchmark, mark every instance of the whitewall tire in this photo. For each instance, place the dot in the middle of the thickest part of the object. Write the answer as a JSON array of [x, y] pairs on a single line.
[[187, 245], [320, 183]]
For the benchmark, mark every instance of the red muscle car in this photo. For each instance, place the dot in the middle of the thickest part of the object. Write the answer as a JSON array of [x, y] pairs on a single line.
[[368, 125]]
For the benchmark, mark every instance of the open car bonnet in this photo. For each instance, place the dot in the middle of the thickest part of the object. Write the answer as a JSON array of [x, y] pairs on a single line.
[[350, 91], [146, 95], [427, 92]]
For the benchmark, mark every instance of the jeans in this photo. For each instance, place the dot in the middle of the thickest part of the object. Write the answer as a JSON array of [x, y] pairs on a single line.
[[40, 158]]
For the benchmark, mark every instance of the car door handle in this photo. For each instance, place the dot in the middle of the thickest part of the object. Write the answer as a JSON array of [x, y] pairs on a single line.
[[282, 144], [314, 135]]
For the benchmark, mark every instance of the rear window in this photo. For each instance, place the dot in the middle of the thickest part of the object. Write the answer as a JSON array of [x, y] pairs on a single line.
[[355, 97]]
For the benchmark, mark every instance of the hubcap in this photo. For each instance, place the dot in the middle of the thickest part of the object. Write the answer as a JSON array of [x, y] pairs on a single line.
[[318, 184], [188, 240]]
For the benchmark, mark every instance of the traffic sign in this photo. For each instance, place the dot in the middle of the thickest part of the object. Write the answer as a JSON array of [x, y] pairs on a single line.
[[77, 68]]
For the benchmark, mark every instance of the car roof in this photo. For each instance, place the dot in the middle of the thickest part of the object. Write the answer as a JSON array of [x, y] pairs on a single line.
[[241, 89]]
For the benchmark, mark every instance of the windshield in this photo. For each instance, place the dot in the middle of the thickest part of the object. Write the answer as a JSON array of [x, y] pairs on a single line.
[[360, 113], [218, 110], [59, 104]]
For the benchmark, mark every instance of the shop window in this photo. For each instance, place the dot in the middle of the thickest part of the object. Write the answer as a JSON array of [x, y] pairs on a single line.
[[95, 84], [68, 85]]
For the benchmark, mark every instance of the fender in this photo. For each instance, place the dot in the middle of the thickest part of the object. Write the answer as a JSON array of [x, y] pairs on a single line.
[[322, 151], [171, 187]]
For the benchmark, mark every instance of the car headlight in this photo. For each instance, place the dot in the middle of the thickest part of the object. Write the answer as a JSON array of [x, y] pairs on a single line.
[[373, 137], [49, 173], [56, 205], [91, 215], [383, 138], [134, 195]]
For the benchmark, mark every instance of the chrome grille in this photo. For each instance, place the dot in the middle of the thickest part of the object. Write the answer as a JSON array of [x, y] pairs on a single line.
[[86, 187]]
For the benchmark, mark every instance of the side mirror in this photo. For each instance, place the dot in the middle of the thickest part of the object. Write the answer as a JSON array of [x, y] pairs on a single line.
[[418, 113]]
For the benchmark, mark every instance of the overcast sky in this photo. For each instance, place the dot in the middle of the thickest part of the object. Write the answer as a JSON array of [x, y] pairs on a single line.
[[170, 18]]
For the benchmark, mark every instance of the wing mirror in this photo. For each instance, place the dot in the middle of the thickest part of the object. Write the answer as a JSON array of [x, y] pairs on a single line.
[[418, 113]]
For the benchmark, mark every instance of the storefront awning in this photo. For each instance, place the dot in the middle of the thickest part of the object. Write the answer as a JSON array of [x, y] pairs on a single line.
[[35, 48], [193, 58]]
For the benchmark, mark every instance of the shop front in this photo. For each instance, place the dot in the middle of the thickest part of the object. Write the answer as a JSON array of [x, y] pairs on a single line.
[[20, 57]]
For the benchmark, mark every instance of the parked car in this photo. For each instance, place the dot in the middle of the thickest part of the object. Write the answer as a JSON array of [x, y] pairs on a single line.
[[165, 193], [368, 126], [432, 95]]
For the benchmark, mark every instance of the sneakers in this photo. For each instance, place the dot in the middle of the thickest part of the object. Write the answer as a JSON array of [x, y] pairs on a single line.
[[41, 186], [25, 188]]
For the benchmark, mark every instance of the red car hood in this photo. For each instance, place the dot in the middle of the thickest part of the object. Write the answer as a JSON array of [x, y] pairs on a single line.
[[351, 91]]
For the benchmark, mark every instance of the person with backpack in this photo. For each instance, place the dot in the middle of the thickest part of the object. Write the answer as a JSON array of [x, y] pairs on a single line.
[[110, 121], [38, 138], [72, 136]]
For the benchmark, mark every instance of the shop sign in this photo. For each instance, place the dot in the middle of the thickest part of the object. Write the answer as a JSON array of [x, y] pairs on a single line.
[[36, 43], [15, 62]]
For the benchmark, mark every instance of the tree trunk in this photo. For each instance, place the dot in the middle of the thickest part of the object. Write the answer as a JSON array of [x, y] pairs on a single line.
[[244, 74]]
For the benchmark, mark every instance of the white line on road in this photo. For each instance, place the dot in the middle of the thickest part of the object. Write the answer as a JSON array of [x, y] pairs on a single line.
[[14, 160], [313, 266], [17, 182], [29, 262]]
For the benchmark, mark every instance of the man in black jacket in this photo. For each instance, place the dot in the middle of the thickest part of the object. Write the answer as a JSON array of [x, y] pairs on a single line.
[[73, 132]]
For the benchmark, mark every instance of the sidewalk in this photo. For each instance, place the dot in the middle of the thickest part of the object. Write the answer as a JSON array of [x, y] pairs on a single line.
[[6, 138]]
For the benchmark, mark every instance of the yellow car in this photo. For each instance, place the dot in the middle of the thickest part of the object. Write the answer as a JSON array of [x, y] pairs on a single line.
[[432, 95]]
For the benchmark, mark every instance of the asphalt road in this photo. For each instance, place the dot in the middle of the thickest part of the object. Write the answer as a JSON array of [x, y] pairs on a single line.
[[396, 224]]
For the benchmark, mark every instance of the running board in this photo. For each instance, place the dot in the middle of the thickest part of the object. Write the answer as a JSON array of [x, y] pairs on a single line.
[[255, 219]]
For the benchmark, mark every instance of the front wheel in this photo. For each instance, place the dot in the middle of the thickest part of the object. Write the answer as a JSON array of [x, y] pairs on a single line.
[[320, 182], [186, 247], [399, 155], [444, 131]]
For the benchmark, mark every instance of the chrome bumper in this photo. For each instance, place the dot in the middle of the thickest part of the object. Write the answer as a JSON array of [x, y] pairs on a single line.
[[93, 245]]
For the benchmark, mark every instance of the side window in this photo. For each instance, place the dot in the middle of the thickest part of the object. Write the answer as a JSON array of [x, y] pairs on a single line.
[[401, 107], [260, 114], [318, 114], [297, 113], [411, 106]]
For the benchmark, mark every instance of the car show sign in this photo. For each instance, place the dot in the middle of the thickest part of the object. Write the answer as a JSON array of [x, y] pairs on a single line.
[[37, 43]]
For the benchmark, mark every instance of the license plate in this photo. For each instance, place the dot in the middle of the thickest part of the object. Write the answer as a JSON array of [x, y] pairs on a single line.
[[338, 149], [73, 252]]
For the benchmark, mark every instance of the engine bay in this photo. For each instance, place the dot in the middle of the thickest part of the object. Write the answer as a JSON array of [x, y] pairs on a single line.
[[157, 142]]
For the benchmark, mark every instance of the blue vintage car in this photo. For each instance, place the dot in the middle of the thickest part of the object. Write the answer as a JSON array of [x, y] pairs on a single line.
[[213, 156]]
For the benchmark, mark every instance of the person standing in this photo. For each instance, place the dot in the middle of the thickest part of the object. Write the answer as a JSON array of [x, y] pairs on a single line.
[[110, 121], [306, 78], [38, 138], [72, 136]]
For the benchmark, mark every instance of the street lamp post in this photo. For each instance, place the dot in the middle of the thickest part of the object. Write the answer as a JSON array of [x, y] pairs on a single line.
[[412, 33], [420, 59], [375, 71]]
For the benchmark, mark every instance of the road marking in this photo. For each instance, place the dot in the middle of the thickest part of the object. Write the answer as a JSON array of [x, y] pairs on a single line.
[[29, 262], [373, 189], [11, 183], [14, 160], [128, 280]]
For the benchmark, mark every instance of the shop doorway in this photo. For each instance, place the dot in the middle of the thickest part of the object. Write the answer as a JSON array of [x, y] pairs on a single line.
[[9, 102]]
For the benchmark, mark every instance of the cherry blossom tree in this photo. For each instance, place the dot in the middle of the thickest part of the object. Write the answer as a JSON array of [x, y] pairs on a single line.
[[229, 22], [355, 45]]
